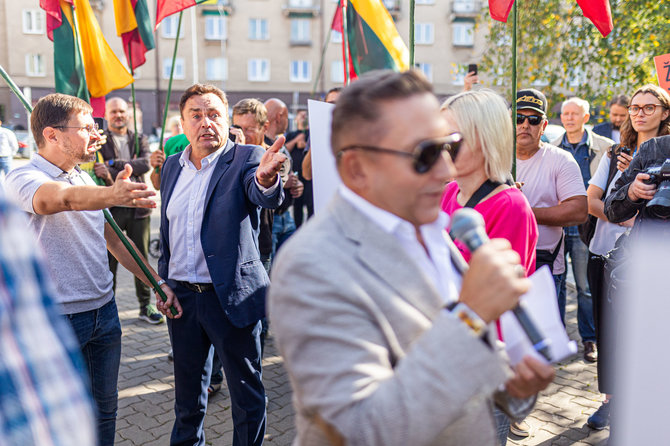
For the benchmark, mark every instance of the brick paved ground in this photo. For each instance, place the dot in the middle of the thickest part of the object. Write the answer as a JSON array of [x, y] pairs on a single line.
[[146, 390]]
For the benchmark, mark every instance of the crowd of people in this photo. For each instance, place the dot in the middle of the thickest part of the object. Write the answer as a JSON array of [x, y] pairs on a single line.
[[388, 328]]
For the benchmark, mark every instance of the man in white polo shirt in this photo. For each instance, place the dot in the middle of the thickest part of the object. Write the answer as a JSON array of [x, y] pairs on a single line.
[[64, 208]]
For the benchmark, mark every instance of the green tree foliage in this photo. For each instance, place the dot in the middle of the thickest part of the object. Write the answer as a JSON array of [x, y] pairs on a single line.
[[561, 53]]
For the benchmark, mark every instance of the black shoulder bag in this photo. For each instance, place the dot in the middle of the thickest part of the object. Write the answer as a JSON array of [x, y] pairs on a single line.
[[588, 228]]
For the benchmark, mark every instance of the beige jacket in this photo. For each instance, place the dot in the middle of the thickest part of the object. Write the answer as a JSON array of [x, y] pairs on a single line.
[[369, 349], [598, 146]]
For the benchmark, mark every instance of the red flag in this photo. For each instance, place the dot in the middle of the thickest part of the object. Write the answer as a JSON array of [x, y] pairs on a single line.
[[500, 9], [338, 25], [600, 14], [598, 11], [165, 8]]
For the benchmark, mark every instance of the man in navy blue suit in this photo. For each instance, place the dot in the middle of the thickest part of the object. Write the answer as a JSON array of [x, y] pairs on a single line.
[[211, 196]]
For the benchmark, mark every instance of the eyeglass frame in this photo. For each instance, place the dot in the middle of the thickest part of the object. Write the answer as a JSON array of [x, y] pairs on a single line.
[[528, 117], [641, 109], [453, 141], [93, 131]]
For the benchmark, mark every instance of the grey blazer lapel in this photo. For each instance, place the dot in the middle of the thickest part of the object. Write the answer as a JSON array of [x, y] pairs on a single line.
[[383, 254]]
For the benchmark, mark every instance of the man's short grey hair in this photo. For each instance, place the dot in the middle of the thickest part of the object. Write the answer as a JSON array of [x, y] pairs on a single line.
[[579, 102]]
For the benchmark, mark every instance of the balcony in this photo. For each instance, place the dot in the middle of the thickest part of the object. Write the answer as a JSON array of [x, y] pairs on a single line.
[[301, 8], [468, 8]]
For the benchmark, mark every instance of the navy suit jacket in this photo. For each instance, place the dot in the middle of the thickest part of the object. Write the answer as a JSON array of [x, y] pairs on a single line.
[[229, 232], [603, 129]]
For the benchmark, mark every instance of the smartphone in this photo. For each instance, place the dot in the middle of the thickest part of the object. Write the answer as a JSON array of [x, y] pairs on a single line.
[[231, 135], [472, 68], [626, 150]]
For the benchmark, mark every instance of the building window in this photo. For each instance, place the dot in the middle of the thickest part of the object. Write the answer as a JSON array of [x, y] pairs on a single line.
[[392, 5], [463, 33], [258, 29], [300, 31], [258, 70], [426, 69], [335, 36], [337, 72], [33, 21], [464, 6], [215, 28], [216, 69], [178, 68], [300, 71], [425, 2], [35, 65], [424, 33], [169, 27], [300, 3]]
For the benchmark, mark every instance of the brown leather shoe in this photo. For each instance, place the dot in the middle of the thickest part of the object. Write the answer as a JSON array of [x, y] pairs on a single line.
[[590, 351]]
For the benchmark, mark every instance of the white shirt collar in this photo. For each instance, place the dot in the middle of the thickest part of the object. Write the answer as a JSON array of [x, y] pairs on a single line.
[[185, 158], [389, 222]]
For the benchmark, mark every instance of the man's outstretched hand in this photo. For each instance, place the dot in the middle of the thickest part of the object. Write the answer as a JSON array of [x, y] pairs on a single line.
[[128, 193], [271, 162]]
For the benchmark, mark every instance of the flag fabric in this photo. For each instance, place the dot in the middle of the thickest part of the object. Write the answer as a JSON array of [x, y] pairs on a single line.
[[373, 40], [598, 11], [84, 64], [133, 25], [166, 8]]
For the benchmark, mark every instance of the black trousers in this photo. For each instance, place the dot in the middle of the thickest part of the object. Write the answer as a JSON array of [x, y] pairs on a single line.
[[138, 230], [604, 318]]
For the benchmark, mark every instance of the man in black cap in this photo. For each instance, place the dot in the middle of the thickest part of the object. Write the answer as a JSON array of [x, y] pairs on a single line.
[[552, 182]]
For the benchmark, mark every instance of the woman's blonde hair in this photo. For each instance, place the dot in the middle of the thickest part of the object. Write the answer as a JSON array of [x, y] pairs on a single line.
[[484, 121]]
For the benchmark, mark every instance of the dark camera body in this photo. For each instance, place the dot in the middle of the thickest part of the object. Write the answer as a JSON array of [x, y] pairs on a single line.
[[659, 206], [231, 135], [472, 68], [626, 150]]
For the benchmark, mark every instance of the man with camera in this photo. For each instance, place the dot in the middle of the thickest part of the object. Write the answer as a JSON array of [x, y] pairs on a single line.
[[643, 189]]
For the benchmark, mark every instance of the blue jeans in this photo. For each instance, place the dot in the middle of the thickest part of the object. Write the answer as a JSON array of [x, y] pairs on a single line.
[[99, 335], [5, 164], [282, 228], [579, 254]]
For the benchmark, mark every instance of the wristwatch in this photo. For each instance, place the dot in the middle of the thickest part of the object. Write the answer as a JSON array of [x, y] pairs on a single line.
[[158, 284], [468, 317]]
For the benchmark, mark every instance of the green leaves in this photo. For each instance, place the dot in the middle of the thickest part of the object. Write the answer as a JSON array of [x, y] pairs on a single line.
[[563, 54]]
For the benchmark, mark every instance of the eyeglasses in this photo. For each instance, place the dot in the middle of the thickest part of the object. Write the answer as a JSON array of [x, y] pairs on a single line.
[[647, 109], [93, 129], [425, 154], [532, 119]]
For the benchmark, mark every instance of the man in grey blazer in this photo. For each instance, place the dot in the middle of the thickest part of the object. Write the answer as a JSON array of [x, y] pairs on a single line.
[[384, 342]]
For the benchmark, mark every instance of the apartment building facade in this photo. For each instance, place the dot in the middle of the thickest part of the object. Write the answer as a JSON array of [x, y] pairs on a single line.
[[250, 48]]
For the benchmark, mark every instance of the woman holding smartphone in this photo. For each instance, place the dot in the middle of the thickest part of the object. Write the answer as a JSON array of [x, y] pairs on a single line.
[[648, 117]]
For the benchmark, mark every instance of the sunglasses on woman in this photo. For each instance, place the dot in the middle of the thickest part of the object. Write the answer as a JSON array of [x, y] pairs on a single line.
[[425, 154]]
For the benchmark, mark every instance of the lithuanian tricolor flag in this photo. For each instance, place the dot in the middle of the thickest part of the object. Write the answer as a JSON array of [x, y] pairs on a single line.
[[165, 8], [84, 64], [373, 40], [133, 25]]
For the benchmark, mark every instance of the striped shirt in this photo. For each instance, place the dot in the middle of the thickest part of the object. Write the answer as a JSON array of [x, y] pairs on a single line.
[[43, 399]]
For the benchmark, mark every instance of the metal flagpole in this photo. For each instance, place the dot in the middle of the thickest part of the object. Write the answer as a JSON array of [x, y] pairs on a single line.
[[345, 35], [412, 4], [108, 216], [515, 16], [169, 92]]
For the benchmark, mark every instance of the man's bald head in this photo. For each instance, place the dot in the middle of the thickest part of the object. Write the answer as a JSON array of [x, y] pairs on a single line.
[[277, 117]]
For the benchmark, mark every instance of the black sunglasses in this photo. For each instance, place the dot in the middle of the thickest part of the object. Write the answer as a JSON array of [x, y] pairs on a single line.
[[425, 154], [532, 119]]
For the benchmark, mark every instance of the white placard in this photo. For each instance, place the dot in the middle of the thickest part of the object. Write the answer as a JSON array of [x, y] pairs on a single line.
[[542, 307], [324, 173]]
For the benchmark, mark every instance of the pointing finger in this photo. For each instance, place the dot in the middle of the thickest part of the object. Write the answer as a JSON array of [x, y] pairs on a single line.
[[278, 144]]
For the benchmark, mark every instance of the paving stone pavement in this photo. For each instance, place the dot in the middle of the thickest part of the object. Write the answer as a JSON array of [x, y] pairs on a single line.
[[146, 389]]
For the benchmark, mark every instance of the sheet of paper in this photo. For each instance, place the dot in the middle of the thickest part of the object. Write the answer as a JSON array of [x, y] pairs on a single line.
[[326, 179], [542, 306]]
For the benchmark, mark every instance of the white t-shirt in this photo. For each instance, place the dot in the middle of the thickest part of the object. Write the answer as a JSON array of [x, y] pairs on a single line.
[[550, 176], [606, 233]]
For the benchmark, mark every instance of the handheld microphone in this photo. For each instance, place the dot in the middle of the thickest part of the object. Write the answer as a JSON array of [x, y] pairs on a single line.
[[467, 225]]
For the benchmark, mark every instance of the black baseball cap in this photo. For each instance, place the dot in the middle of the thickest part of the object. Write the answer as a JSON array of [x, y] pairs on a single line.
[[531, 99]]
